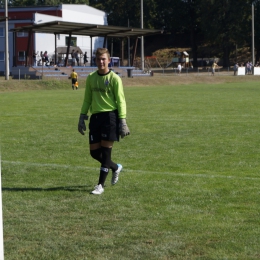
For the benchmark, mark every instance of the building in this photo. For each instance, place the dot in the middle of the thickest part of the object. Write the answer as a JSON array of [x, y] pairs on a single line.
[[41, 42]]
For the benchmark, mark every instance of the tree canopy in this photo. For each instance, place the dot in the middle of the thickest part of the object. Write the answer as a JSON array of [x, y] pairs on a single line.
[[223, 24]]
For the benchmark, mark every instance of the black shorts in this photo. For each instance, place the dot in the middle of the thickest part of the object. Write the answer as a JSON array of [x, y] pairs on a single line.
[[73, 81], [104, 126]]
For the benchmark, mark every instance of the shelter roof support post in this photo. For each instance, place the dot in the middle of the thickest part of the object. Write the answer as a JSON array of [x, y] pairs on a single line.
[[128, 52], [28, 48], [91, 52], [112, 46], [55, 44], [122, 51], [14, 50], [105, 42], [135, 47], [67, 54]]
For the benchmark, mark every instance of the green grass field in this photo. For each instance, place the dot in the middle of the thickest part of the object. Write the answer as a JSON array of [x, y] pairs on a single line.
[[190, 188]]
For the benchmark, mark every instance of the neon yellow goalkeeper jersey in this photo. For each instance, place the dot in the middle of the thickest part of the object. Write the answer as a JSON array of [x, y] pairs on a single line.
[[104, 93]]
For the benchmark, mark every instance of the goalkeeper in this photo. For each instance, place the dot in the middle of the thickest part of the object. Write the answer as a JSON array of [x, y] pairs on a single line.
[[104, 99]]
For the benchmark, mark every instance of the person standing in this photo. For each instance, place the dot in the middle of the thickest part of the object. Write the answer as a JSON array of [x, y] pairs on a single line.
[[77, 57], [235, 68], [214, 65], [105, 99], [73, 58], [179, 68], [46, 58], [85, 58], [34, 58], [74, 79]]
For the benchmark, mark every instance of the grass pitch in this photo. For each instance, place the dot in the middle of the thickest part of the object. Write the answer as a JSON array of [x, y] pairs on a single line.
[[189, 188]]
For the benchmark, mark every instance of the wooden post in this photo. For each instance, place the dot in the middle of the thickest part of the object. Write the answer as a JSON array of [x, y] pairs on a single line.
[[27, 59], [68, 49]]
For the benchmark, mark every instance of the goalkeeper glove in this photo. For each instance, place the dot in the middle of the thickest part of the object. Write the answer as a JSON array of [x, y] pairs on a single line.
[[81, 124], [123, 128]]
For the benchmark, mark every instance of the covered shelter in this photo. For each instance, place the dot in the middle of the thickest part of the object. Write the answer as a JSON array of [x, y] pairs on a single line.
[[92, 30]]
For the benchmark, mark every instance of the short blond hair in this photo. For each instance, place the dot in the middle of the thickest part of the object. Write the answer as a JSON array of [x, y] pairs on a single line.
[[101, 51]]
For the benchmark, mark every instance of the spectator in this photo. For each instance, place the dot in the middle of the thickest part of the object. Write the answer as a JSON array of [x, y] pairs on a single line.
[[46, 58], [85, 58], [214, 65], [248, 68], [34, 58], [179, 68], [42, 58], [77, 57], [235, 68], [73, 58]]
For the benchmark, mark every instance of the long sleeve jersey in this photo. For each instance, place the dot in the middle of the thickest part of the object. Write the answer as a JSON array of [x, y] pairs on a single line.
[[104, 93]]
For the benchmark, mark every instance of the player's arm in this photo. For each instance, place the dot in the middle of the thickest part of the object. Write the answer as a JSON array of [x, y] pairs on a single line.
[[121, 104], [84, 109]]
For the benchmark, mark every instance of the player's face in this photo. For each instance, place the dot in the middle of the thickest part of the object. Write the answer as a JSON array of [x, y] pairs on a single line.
[[102, 63]]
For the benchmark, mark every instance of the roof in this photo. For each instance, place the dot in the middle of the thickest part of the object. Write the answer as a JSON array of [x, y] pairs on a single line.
[[61, 27]]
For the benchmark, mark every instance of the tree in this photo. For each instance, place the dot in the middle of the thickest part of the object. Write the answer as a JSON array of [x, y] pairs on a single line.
[[120, 12], [257, 29], [45, 2], [225, 23]]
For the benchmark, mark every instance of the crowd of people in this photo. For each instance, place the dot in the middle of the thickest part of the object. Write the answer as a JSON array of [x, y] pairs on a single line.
[[248, 67], [43, 59]]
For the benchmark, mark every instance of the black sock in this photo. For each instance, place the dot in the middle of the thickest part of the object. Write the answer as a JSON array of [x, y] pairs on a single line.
[[103, 175], [106, 163], [106, 152], [97, 155]]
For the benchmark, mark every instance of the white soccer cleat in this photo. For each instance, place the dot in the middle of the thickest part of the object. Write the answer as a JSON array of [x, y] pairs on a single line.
[[98, 190], [115, 175]]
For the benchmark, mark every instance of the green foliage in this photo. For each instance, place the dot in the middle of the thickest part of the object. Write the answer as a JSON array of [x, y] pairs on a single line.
[[226, 23], [122, 12], [45, 2], [222, 24]]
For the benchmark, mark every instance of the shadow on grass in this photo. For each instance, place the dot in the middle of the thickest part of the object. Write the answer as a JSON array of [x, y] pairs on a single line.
[[68, 188]]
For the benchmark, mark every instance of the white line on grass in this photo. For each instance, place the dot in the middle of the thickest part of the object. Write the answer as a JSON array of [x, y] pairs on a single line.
[[204, 175]]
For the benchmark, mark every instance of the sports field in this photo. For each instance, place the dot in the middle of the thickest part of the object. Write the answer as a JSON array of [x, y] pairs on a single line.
[[190, 187]]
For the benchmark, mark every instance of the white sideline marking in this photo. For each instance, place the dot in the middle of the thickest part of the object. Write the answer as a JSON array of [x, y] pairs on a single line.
[[53, 165]]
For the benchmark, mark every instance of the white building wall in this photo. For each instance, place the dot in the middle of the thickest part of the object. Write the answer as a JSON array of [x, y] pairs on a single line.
[[45, 41], [70, 13]]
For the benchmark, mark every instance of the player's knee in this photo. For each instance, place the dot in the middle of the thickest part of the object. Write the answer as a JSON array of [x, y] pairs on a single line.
[[96, 154]]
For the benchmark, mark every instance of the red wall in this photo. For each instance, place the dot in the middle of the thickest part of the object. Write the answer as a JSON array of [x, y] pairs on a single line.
[[25, 14], [21, 43]]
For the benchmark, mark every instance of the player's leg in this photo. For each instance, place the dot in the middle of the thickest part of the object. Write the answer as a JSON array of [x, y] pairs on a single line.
[[103, 132], [72, 83], [110, 132], [106, 148], [96, 151]]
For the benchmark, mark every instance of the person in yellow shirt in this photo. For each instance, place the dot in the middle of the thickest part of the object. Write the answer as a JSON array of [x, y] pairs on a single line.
[[214, 65], [74, 79]]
